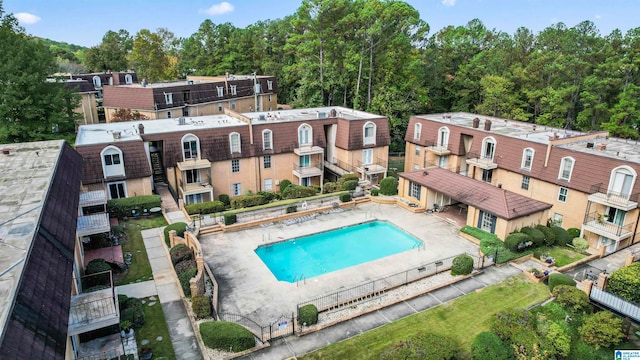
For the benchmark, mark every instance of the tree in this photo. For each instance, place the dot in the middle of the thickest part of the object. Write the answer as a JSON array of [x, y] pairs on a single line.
[[149, 57], [488, 346], [31, 107], [111, 54], [127, 115], [601, 329]]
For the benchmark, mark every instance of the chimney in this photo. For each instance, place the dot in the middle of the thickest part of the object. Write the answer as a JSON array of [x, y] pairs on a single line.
[[534, 127], [6, 151], [487, 125], [476, 123], [601, 147], [141, 129]]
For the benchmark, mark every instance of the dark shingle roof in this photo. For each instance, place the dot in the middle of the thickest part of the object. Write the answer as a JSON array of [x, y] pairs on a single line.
[[134, 156]]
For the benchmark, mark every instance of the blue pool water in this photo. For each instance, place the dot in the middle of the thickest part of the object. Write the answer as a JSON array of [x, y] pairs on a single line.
[[334, 250]]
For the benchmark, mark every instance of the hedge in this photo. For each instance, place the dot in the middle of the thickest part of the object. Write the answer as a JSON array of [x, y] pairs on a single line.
[[206, 207], [124, 206], [284, 184], [536, 235], [291, 209], [581, 245], [184, 278], [347, 177], [246, 201], [226, 336], [462, 265], [298, 192], [345, 197], [201, 305], [308, 315], [571, 297], [230, 219], [225, 199], [556, 279], [625, 282], [179, 227], [574, 232], [517, 241], [488, 346], [562, 236], [389, 186], [549, 235], [269, 196], [374, 192], [349, 185], [132, 310], [330, 187]]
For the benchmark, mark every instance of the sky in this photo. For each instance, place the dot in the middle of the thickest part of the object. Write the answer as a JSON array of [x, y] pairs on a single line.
[[84, 22]]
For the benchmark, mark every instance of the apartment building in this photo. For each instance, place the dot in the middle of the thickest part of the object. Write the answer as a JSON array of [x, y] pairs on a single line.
[[508, 174], [232, 153], [196, 96]]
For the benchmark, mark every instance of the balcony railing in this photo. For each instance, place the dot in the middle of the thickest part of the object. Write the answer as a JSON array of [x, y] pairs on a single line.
[[313, 166], [481, 161], [95, 309], [614, 196], [437, 149], [343, 165], [375, 167], [600, 223]]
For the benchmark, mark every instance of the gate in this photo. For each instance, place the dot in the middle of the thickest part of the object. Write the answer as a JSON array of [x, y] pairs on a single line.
[[282, 327]]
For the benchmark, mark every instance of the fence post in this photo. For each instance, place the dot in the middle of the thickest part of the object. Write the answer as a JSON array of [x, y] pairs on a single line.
[[293, 323]]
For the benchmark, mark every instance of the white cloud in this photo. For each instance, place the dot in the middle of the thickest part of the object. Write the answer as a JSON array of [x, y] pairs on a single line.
[[448, 2], [598, 16], [26, 18], [219, 9]]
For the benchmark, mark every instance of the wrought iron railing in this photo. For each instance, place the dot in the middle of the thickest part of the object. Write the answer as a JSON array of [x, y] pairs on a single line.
[[614, 196], [601, 222], [311, 165]]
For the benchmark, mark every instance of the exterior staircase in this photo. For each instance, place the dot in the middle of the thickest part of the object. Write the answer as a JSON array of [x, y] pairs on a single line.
[[158, 170], [210, 229]]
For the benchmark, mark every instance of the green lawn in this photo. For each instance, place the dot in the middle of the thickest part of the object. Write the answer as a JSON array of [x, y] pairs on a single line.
[[155, 325], [140, 269], [563, 255], [461, 319]]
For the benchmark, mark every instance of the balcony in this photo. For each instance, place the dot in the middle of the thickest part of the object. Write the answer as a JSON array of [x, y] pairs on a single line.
[[339, 167], [307, 149], [378, 167], [601, 195], [93, 224], [310, 170], [92, 198], [193, 164], [439, 150], [595, 223], [483, 162], [198, 187], [96, 309]]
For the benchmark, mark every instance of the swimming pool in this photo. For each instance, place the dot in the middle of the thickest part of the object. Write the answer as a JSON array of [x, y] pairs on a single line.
[[333, 250]]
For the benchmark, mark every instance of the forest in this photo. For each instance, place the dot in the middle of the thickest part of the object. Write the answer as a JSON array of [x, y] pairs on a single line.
[[379, 56]]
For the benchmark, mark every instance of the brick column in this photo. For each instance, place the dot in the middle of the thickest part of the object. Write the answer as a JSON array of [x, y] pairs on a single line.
[[172, 238]]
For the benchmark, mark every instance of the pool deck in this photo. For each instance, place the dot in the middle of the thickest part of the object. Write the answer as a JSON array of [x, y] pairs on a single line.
[[248, 288]]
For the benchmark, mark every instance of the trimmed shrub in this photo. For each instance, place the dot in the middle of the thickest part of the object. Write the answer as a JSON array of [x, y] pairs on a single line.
[[556, 279], [207, 207], [126, 314], [345, 197], [185, 265], [246, 201], [549, 235], [374, 192], [269, 196], [284, 184], [421, 346], [537, 254], [308, 315], [462, 265], [625, 282], [580, 244], [180, 253], [601, 329], [330, 187], [349, 185], [571, 297], [225, 199], [298, 192], [230, 219], [347, 177], [517, 241], [184, 278], [536, 235], [201, 305], [226, 336], [179, 227], [488, 346], [562, 236], [132, 310], [291, 209], [124, 206], [573, 232], [389, 186], [96, 266]]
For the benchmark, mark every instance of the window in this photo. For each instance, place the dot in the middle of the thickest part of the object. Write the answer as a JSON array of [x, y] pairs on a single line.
[[234, 142], [233, 104], [97, 83], [304, 134], [527, 159], [305, 181], [185, 111], [369, 133], [235, 165], [487, 222], [111, 81], [112, 162], [416, 167], [621, 181], [266, 140], [168, 98], [524, 185], [367, 157], [566, 167], [128, 79], [237, 189], [417, 129], [117, 190], [186, 95], [417, 150], [557, 219], [488, 148], [168, 114], [269, 97], [487, 175], [268, 185], [267, 161], [562, 194], [257, 87], [443, 161], [414, 190], [304, 161], [616, 216], [443, 137], [220, 91], [192, 176], [234, 89], [190, 146], [220, 107], [194, 199], [269, 85]]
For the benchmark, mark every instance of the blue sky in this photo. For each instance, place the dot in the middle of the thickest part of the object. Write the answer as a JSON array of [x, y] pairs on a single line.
[[84, 22]]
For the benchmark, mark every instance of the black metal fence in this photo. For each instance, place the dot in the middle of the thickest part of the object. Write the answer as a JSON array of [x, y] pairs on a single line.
[[284, 326]]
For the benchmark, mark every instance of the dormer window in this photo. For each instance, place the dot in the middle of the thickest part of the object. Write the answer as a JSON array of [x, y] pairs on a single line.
[[257, 88], [304, 134], [128, 79], [621, 181], [488, 148], [234, 90], [234, 142], [220, 91], [97, 83], [566, 167], [190, 147], [417, 129], [527, 159], [168, 98], [112, 162], [443, 137], [369, 133], [267, 143]]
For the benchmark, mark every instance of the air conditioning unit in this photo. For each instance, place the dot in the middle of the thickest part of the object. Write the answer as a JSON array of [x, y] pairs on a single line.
[[277, 182]]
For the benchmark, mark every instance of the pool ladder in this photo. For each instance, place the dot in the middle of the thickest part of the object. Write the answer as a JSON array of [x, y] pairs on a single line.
[[419, 246], [299, 278]]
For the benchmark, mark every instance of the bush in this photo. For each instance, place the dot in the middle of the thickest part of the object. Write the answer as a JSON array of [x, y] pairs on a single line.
[[562, 236], [269, 196], [389, 186], [207, 207], [536, 235], [556, 279], [347, 177], [517, 241], [330, 187], [571, 297], [349, 185], [124, 206], [549, 235], [298, 192], [573, 232], [246, 201], [308, 314], [488, 346], [580, 244], [132, 310], [201, 305], [226, 336], [421, 346], [230, 219], [291, 209], [185, 265], [97, 266], [284, 184], [225, 199], [625, 282], [179, 227], [462, 265], [180, 253], [374, 192], [537, 254], [184, 278], [601, 329], [345, 197]]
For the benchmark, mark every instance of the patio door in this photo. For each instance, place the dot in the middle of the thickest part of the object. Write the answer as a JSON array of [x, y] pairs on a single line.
[[367, 157], [487, 222], [616, 216], [622, 183], [305, 161]]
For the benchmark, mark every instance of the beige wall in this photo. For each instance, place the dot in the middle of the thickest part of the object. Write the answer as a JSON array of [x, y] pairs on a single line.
[[135, 187], [88, 109]]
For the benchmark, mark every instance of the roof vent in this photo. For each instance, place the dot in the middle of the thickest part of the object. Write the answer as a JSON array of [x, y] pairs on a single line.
[[476, 123], [190, 82], [589, 145], [499, 186], [116, 135], [181, 121], [322, 115], [425, 172], [6, 151], [332, 113], [487, 125], [141, 129], [261, 117]]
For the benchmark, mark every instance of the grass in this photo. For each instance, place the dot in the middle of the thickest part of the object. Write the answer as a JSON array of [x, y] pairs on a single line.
[[155, 325], [461, 319], [140, 268], [563, 255]]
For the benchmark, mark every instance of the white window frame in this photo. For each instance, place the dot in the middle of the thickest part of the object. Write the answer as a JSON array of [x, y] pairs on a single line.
[[219, 107], [234, 90], [235, 144], [488, 143], [257, 88], [193, 175], [367, 157], [194, 199], [116, 183], [220, 90], [168, 98], [233, 104], [267, 139], [305, 135], [236, 189], [371, 139], [305, 181], [128, 79], [443, 137], [235, 165], [418, 150], [563, 193], [268, 184], [526, 182], [188, 154], [112, 169], [270, 85], [417, 129], [414, 190], [266, 162], [569, 162], [527, 159], [443, 161], [623, 170], [97, 82]]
